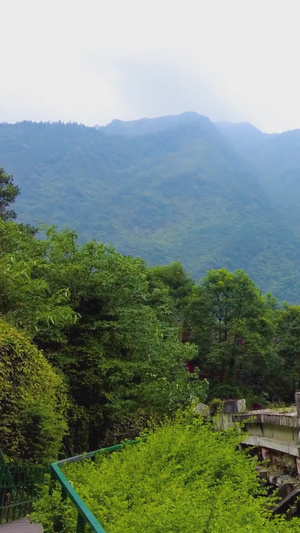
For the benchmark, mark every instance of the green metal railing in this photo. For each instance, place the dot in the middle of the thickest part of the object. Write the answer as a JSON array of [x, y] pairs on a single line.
[[84, 514], [18, 489]]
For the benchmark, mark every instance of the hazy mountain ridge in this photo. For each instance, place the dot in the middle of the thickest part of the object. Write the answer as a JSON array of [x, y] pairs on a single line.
[[172, 188], [145, 126]]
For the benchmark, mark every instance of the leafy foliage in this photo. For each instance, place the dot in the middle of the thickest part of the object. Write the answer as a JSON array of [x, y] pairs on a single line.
[[185, 477], [8, 193], [288, 339], [234, 327], [25, 295], [177, 284], [32, 400], [121, 361], [89, 309]]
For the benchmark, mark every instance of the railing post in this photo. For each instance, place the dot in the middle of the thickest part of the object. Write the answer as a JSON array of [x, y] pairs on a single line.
[[297, 402], [85, 515], [80, 524]]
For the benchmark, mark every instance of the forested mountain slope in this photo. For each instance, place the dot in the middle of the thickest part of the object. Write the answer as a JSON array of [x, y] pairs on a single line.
[[173, 188], [276, 159]]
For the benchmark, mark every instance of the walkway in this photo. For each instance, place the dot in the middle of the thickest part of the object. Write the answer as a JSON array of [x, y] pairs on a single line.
[[21, 526]]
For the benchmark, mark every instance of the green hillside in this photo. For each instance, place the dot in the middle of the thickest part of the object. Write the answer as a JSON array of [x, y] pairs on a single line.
[[277, 161], [167, 189]]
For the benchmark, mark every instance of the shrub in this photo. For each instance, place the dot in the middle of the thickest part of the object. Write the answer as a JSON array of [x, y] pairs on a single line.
[[185, 477], [32, 400]]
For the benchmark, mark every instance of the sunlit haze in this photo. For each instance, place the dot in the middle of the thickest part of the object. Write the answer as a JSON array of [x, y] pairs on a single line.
[[93, 61]]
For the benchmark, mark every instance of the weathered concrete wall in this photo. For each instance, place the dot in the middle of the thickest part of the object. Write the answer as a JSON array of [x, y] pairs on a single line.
[[281, 433], [269, 430], [234, 406], [267, 416], [275, 434]]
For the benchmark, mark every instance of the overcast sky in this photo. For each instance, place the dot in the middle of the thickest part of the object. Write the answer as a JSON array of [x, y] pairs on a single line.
[[95, 60]]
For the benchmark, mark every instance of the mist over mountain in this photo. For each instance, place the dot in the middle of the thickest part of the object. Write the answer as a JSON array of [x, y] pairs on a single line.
[[167, 189], [144, 126], [276, 161]]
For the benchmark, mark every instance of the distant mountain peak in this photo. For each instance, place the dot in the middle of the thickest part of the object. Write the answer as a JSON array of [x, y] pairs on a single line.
[[144, 126]]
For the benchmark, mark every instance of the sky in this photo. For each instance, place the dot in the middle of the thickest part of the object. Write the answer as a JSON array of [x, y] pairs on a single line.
[[93, 61]]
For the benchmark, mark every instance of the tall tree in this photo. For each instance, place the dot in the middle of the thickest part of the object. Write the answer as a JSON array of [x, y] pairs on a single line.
[[179, 286], [288, 343], [26, 298], [8, 194], [123, 363], [88, 308], [234, 328]]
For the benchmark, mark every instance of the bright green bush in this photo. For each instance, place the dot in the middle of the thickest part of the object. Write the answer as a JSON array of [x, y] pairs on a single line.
[[184, 478], [32, 400]]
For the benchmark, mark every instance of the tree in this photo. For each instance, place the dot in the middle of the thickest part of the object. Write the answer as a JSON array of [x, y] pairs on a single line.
[[176, 281], [88, 308], [32, 400], [25, 296], [234, 327], [8, 194], [288, 344], [122, 363]]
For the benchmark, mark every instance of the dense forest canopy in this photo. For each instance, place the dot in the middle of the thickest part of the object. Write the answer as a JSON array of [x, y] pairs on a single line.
[[132, 342], [110, 333], [172, 189]]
